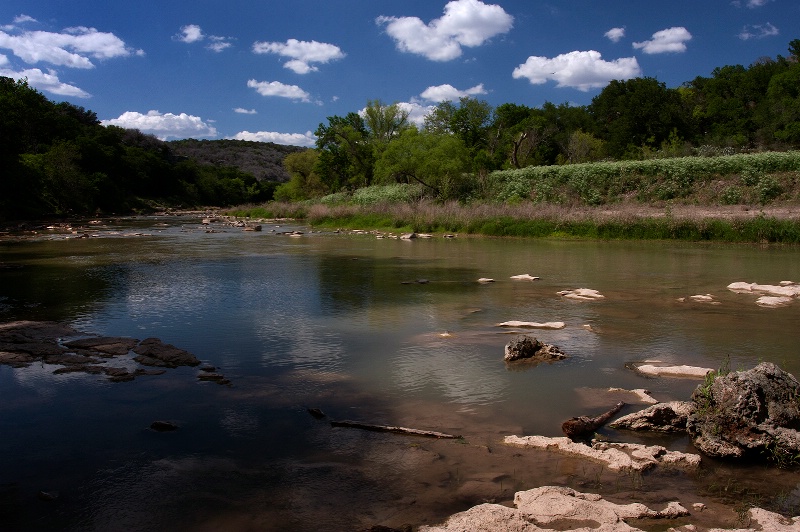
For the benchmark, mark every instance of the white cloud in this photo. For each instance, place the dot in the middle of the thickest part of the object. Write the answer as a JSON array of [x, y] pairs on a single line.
[[243, 111], [21, 19], [276, 88], [73, 47], [615, 34], [447, 92], [416, 112], [164, 125], [752, 4], [579, 70], [218, 43], [302, 54], [45, 81], [190, 33], [290, 139], [758, 31], [668, 40], [464, 23]]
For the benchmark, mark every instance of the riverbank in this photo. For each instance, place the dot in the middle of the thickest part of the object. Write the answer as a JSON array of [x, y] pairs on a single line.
[[776, 223]]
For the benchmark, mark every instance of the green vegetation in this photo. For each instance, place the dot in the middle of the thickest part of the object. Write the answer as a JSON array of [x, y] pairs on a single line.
[[57, 159], [729, 139]]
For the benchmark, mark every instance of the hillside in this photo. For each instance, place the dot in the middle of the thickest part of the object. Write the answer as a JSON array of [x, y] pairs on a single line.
[[263, 160]]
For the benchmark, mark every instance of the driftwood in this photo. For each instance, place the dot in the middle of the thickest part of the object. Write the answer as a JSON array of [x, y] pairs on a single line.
[[579, 426], [396, 430]]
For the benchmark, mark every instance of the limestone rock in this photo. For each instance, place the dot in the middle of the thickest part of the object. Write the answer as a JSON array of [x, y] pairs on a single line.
[[556, 508], [683, 371], [747, 413], [529, 348], [661, 417], [616, 456], [533, 324], [582, 294]]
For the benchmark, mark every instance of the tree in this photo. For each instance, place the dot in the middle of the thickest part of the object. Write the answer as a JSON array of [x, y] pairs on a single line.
[[346, 157], [384, 122], [436, 160], [304, 182], [584, 147], [639, 112]]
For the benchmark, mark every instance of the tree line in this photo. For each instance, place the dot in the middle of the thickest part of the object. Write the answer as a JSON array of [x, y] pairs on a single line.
[[736, 108], [57, 159]]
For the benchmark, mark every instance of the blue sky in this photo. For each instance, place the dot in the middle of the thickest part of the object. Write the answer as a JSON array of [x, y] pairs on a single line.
[[274, 70]]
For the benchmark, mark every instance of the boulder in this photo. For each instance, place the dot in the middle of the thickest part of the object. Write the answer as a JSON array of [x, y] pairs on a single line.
[[748, 413], [683, 371], [529, 348], [661, 417]]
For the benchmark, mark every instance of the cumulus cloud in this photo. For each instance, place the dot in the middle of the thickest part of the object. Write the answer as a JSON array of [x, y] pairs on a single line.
[[44, 81], [290, 139], [73, 47], [276, 88], [615, 34], [190, 33], [302, 54], [758, 31], [579, 70], [447, 92], [467, 23], [243, 111], [416, 112], [164, 125], [668, 40]]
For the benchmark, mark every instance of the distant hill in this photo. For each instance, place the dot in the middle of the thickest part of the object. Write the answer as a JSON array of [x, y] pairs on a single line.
[[263, 160]]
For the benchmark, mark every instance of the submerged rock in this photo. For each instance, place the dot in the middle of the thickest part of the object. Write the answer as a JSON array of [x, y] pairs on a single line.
[[529, 348], [154, 352], [748, 413], [582, 294], [615, 456]]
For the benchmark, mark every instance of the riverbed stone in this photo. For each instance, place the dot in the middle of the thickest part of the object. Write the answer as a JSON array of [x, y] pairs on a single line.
[[748, 413], [556, 508], [154, 352], [529, 348], [661, 417]]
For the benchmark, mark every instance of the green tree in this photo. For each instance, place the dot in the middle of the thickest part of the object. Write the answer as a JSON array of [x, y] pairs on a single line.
[[384, 122], [636, 113], [438, 161], [584, 147], [346, 157], [304, 183]]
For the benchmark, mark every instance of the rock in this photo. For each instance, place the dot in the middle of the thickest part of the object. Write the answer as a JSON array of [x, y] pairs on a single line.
[[582, 294], [691, 372], [661, 417], [484, 280], [773, 301], [17, 360], [748, 413], [110, 345], [556, 508], [524, 277], [640, 394], [616, 456], [533, 324], [153, 352], [527, 347], [784, 289], [408, 236]]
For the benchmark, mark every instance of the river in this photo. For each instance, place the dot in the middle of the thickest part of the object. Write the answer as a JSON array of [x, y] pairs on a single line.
[[378, 330]]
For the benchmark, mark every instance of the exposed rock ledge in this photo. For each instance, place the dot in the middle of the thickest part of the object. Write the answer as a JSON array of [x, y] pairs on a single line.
[[616, 456], [549, 508]]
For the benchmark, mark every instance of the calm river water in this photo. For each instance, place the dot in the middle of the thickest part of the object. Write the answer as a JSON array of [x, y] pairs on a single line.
[[341, 322]]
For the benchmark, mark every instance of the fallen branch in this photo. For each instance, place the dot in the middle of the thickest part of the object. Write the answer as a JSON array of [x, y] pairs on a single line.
[[579, 426], [396, 430]]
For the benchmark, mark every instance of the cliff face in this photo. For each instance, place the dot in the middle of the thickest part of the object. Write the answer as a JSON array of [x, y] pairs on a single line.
[[264, 160]]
